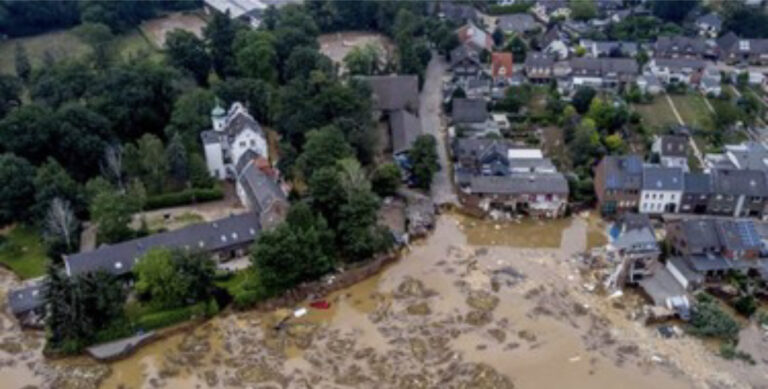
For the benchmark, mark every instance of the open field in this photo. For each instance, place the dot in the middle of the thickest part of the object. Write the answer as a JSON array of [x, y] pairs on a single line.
[[62, 44], [22, 250], [337, 45], [156, 29], [694, 111], [657, 115]]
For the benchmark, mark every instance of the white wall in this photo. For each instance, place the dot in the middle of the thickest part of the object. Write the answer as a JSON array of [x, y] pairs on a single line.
[[654, 201], [248, 139], [214, 158]]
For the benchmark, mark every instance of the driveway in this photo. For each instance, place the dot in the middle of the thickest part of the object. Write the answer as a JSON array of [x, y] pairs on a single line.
[[430, 108]]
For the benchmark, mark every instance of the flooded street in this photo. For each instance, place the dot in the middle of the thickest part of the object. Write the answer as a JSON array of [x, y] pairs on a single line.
[[479, 304]]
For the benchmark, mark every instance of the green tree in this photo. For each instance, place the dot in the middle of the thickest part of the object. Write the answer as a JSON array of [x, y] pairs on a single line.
[[305, 60], [299, 250], [99, 37], [327, 193], [199, 176], [220, 34], [23, 68], [424, 162], [112, 212], [583, 98], [256, 94], [10, 94], [187, 52], [363, 60], [177, 161], [147, 160], [61, 82], [29, 132], [709, 320], [51, 182], [323, 148], [358, 232], [80, 139], [17, 191], [583, 9], [615, 144], [586, 146], [256, 56], [518, 48], [191, 115], [386, 179], [673, 11], [172, 278]]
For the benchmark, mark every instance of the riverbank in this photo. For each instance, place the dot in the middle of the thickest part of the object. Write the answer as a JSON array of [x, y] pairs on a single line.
[[461, 309]]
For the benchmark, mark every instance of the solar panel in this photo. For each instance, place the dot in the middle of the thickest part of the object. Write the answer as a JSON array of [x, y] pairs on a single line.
[[748, 234]]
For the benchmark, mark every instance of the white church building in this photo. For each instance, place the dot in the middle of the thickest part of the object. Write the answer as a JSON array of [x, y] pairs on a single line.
[[234, 132]]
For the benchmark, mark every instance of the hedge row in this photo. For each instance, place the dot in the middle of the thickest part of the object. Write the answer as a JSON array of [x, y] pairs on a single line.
[[187, 196], [173, 316]]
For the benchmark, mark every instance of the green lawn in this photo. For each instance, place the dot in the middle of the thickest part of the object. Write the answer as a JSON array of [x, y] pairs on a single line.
[[65, 44], [694, 111], [657, 115], [23, 252], [62, 44]]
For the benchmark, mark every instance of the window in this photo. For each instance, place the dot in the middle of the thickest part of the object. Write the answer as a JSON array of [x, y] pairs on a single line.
[[242, 143], [253, 142], [118, 265]]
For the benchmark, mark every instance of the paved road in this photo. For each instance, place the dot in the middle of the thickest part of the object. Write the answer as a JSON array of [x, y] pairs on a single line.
[[430, 107]]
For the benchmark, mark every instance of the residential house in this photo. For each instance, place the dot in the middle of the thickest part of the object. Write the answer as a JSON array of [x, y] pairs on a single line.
[[672, 151], [539, 67], [519, 24], [555, 43], [710, 81], [709, 25], [475, 37], [497, 174], [713, 247], [394, 92], [405, 128], [249, 11], [544, 10], [27, 303], [697, 190], [472, 115], [234, 133], [615, 49], [738, 193], [477, 88], [686, 71], [662, 190], [748, 155], [607, 73], [618, 181], [633, 239], [258, 188], [502, 69], [649, 83], [465, 63], [679, 46], [224, 238], [732, 49], [456, 12]]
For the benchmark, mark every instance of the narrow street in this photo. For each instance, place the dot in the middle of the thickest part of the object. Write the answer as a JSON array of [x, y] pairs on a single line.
[[431, 123]]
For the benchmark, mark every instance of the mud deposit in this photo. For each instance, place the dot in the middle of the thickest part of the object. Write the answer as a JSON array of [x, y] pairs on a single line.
[[450, 314]]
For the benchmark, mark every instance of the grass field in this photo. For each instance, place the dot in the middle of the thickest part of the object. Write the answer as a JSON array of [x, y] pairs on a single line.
[[694, 111], [62, 44], [23, 252], [657, 115]]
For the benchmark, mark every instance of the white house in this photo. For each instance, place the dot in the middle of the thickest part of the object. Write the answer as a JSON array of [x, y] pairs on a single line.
[[677, 70], [709, 25], [672, 151], [662, 189], [234, 133]]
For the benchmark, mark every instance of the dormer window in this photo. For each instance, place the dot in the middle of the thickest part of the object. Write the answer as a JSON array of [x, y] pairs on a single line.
[[118, 265]]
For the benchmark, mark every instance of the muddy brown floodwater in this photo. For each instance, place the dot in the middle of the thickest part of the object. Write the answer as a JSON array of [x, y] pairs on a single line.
[[476, 305]]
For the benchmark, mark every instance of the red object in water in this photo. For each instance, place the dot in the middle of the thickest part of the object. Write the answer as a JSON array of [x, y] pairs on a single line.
[[320, 304]]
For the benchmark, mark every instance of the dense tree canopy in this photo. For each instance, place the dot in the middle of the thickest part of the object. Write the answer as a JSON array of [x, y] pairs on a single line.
[[171, 278], [188, 52], [17, 191]]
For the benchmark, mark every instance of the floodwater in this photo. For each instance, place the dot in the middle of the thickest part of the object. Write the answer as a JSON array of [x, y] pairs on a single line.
[[476, 305]]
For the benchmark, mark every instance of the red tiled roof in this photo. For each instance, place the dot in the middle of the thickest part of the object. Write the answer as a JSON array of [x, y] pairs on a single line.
[[501, 64]]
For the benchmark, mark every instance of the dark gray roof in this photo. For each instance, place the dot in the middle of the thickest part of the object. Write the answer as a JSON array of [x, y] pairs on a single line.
[[701, 263], [459, 13], [477, 147], [603, 66], [740, 182], [239, 122], [674, 146], [662, 178], [464, 52], [394, 92], [27, 297], [517, 23], [539, 59], [527, 183], [247, 157], [698, 183], [405, 127], [210, 137], [749, 155], [683, 265], [738, 234], [119, 258], [262, 190], [711, 19], [552, 35], [680, 44], [700, 234], [469, 110], [607, 48], [635, 232], [623, 172], [680, 63]]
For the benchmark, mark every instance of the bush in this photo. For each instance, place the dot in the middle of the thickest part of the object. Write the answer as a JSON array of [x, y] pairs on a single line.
[[728, 351], [187, 196], [170, 317], [708, 320], [746, 305]]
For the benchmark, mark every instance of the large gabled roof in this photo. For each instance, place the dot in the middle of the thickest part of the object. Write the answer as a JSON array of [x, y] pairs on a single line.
[[394, 92], [405, 127]]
